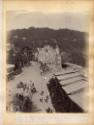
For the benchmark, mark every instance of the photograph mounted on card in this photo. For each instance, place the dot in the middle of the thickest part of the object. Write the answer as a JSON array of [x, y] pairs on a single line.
[[47, 57]]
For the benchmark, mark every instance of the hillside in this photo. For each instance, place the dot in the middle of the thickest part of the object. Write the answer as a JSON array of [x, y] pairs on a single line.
[[69, 41]]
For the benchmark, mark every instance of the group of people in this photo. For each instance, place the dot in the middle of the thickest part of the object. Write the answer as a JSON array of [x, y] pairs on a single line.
[[22, 100], [28, 89], [25, 97]]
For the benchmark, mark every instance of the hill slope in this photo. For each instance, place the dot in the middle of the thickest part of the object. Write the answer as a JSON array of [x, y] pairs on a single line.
[[70, 41]]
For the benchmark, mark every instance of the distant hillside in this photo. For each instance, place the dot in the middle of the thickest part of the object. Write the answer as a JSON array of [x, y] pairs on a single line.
[[69, 41]]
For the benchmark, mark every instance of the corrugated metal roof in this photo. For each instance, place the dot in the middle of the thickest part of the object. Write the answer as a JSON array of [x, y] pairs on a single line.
[[73, 82]]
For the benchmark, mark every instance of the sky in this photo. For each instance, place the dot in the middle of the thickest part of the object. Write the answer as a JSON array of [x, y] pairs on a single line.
[[75, 21]]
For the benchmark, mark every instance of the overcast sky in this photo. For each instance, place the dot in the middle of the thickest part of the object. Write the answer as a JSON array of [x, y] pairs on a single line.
[[75, 21]]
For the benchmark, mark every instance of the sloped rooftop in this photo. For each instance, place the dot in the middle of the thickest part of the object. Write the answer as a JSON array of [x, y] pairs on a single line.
[[74, 83]]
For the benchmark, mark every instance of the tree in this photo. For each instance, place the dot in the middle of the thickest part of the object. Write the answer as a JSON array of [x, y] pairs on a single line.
[[65, 57]]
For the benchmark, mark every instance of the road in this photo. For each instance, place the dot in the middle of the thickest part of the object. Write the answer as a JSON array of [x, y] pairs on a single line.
[[32, 74]]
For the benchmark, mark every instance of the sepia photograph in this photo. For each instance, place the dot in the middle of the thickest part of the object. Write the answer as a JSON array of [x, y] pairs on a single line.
[[47, 62]]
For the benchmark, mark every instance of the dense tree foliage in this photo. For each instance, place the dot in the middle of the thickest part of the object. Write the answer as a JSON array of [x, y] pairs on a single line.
[[70, 41]]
